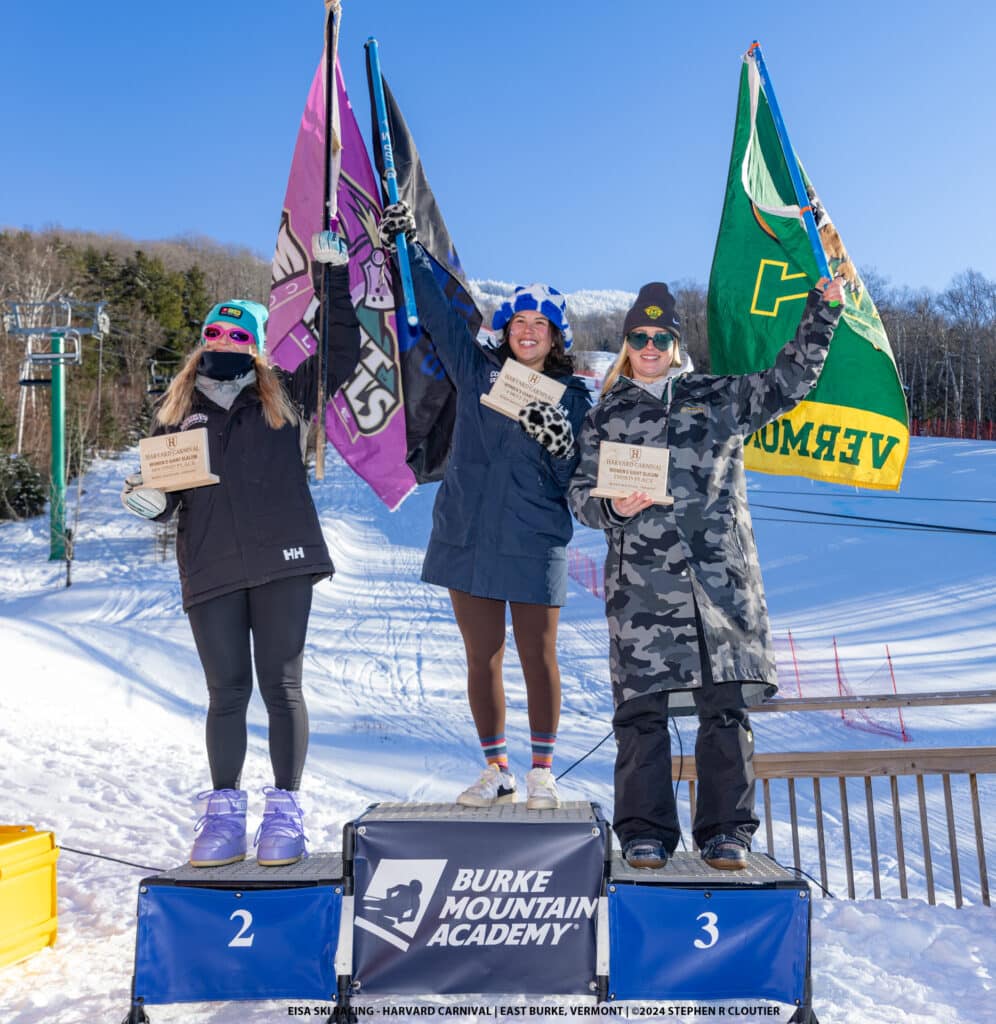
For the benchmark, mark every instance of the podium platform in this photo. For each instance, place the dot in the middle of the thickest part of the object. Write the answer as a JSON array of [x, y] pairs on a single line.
[[491, 900], [239, 931], [439, 899], [690, 932]]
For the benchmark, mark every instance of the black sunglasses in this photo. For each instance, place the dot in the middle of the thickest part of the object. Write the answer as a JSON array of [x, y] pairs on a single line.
[[662, 341]]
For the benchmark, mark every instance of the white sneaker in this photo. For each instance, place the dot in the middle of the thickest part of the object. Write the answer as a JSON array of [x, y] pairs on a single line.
[[541, 790], [493, 787]]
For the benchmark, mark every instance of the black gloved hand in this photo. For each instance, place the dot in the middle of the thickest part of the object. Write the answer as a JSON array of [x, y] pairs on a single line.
[[549, 426], [396, 218]]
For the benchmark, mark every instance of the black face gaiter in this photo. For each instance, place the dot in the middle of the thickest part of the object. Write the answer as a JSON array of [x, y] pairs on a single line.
[[225, 365]]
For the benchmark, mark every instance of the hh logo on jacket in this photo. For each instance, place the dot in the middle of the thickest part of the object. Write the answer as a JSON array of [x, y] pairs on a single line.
[[291, 554]]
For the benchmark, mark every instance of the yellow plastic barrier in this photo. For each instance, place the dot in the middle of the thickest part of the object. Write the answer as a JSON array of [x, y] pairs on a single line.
[[28, 912]]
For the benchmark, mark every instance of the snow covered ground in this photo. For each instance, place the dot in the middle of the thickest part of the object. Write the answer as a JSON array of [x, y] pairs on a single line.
[[101, 713]]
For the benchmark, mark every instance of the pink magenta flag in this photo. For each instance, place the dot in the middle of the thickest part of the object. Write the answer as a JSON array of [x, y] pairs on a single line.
[[365, 419]]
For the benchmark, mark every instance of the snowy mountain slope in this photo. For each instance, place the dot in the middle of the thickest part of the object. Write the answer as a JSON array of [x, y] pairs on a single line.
[[101, 713]]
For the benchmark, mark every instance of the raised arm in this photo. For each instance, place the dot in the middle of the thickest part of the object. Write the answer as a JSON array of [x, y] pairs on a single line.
[[759, 398], [344, 348], [451, 338], [457, 349]]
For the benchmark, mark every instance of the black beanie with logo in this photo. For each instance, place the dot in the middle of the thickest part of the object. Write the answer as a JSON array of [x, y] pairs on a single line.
[[654, 306]]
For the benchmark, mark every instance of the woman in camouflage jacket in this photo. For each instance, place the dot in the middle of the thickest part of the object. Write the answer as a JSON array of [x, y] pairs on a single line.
[[688, 623]]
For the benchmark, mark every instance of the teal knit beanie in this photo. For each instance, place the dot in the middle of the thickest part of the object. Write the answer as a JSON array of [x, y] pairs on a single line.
[[249, 315]]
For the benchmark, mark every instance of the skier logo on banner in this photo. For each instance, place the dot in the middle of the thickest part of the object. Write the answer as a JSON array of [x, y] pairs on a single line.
[[401, 903], [397, 899]]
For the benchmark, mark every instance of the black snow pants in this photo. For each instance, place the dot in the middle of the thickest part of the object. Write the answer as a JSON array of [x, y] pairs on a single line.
[[275, 615], [724, 751]]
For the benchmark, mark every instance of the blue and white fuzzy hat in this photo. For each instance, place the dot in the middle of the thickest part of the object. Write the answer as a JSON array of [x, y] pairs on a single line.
[[541, 298]]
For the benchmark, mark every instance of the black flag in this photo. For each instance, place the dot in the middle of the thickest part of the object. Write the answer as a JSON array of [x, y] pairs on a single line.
[[430, 398]]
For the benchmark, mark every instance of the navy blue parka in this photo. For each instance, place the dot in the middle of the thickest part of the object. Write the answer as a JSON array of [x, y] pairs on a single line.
[[500, 524]]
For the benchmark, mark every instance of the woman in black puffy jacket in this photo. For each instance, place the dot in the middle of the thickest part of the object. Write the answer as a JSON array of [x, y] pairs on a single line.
[[249, 549]]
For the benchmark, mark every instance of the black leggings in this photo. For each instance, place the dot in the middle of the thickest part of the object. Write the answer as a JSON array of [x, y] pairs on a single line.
[[482, 626], [276, 615]]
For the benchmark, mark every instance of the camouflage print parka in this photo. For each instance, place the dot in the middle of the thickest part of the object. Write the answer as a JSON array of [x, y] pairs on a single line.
[[666, 562]]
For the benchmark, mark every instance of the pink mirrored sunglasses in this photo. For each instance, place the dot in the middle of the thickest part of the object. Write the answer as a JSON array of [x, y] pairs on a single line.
[[237, 334]]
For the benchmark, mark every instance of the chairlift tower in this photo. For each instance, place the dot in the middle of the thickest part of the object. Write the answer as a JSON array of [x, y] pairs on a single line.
[[65, 321]]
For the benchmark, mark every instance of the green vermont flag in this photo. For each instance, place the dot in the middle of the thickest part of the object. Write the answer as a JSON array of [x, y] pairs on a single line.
[[853, 427]]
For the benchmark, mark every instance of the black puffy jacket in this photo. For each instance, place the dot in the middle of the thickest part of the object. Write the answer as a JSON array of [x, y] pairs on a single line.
[[259, 522]]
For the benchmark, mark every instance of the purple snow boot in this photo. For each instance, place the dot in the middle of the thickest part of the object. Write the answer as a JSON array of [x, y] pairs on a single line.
[[280, 839], [222, 829]]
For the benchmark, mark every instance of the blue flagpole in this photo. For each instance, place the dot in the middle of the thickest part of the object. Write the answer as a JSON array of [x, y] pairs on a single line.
[[793, 165], [404, 264]]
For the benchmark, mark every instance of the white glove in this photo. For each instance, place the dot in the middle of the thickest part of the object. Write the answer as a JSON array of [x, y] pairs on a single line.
[[328, 247], [397, 218], [147, 502]]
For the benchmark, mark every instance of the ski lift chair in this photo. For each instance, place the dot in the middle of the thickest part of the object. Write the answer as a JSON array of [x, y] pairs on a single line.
[[56, 317], [72, 354], [72, 351], [28, 377], [158, 381]]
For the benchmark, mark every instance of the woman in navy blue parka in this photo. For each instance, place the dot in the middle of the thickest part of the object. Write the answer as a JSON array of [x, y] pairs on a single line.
[[501, 524]]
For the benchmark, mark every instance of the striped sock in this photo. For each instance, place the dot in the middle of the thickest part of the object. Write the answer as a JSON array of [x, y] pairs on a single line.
[[542, 744], [495, 751]]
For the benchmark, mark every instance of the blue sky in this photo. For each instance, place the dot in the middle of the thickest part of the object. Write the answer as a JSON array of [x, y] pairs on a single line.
[[579, 143]]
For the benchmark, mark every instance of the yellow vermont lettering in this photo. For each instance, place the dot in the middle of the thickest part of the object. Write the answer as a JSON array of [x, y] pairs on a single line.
[[827, 442]]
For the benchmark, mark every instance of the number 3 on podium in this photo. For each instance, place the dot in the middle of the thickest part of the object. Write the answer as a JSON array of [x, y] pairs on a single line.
[[709, 928]]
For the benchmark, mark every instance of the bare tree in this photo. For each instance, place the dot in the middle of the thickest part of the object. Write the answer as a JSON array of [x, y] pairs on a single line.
[[970, 305]]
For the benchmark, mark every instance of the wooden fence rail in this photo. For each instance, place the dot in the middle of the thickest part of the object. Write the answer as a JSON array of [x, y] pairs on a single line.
[[878, 700], [937, 774]]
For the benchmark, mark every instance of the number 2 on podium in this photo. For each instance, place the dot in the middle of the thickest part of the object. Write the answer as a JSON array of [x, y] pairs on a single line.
[[241, 939]]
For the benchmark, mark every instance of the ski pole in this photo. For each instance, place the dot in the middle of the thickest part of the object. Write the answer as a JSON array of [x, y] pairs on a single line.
[[391, 176], [793, 165], [333, 152], [326, 245]]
